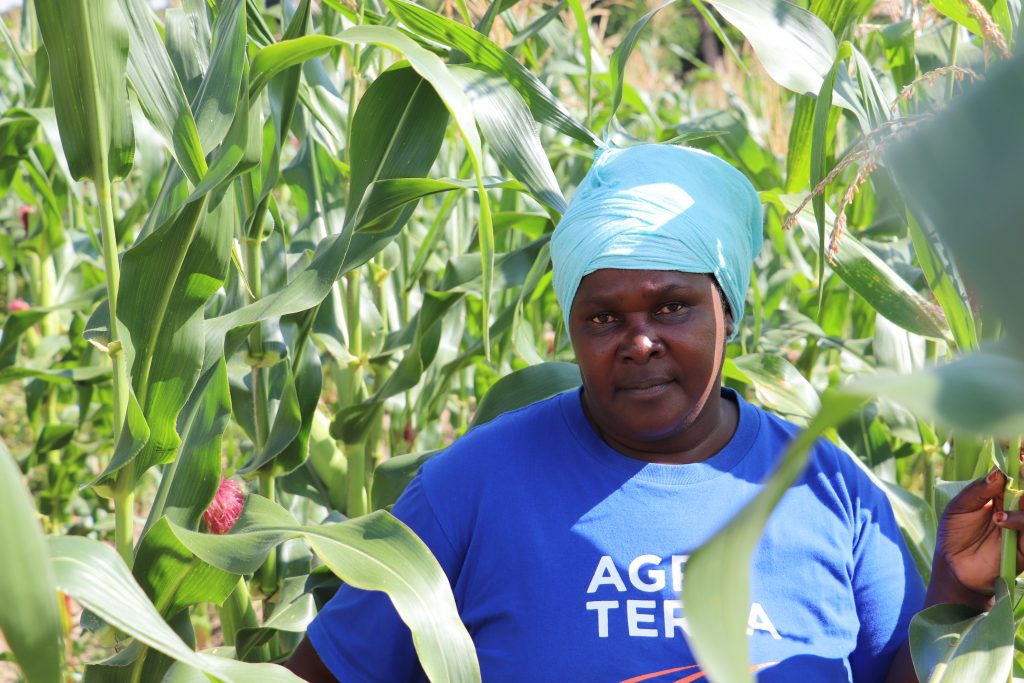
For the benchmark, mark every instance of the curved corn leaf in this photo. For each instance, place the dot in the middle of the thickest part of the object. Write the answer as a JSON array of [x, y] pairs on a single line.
[[374, 552], [401, 123], [87, 45], [955, 643], [29, 620], [167, 279], [796, 48], [480, 50], [943, 277], [216, 103], [291, 618], [189, 483], [981, 393], [509, 129], [350, 423], [95, 576], [430, 67], [172, 577], [957, 11], [526, 386], [160, 93], [873, 279], [392, 476], [778, 384]]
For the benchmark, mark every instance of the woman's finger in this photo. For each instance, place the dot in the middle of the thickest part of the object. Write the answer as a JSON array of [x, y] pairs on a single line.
[[1009, 520], [978, 493]]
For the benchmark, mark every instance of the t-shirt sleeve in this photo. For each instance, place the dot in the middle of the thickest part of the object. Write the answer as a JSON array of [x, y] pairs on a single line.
[[887, 587], [358, 634]]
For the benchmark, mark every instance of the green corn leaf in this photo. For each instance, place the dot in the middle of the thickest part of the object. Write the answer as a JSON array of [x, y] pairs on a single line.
[[401, 123], [291, 618], [958, 12], [955, 643], [873, 279], [943, 277], [188, 39], [173, 577], [29, 621], [583, 29], [431, 68], [95, 576], [778, 384], [166, 280], [526, 386], [480, 50], [308, 384], [509, 129], [189, 482], [217, 100], [795, 47], [822, 113], [350, 423], [287, 421], [160, 93], [980, 393], [87, 45], [392, 476], [839, 16], [374, 552], [79, 375], [620, 56]]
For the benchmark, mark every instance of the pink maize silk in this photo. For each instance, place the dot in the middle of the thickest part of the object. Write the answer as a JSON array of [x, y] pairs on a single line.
[[226, 507], [15, 305]]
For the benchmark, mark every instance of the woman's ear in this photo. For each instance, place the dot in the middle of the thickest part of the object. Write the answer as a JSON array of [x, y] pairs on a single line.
[[728, 324]]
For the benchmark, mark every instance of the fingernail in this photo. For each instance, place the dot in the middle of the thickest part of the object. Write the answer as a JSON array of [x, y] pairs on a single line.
[[993, 475], [999, 517]]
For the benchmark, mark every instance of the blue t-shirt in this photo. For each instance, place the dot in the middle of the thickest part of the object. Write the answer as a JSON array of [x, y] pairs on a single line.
[[565, 558]]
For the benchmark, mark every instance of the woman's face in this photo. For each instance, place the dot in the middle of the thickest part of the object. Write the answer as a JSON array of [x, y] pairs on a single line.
[[649, 345]]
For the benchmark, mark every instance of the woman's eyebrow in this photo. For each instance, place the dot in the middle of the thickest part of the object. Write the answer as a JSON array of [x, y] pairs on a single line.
[[612, 298]]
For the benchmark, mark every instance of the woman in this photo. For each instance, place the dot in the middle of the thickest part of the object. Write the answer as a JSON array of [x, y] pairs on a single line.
[[564, 527]]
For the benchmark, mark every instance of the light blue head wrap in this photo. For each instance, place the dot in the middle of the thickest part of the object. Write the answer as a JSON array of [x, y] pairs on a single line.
[[659, 207]]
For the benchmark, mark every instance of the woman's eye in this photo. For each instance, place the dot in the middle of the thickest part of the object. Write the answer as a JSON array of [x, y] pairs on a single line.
[[602, 318], [674, 307]]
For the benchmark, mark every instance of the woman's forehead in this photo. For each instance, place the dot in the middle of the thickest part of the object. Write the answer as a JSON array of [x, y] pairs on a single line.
[[633, 277]]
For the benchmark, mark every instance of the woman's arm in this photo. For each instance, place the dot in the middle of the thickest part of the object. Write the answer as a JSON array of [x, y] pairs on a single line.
[[307, 665], [967, 555]]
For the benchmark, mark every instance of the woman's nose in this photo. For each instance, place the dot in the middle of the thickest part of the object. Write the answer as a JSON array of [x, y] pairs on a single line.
[[641, 344]]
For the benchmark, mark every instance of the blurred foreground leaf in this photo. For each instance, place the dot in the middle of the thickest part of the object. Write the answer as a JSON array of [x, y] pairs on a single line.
[[29, 620], [961, 174]]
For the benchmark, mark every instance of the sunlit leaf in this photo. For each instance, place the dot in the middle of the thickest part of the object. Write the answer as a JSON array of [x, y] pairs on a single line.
[[87, 43]]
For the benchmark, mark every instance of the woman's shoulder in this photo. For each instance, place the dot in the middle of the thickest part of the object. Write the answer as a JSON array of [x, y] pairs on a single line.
[[502, 441], [830, 463]]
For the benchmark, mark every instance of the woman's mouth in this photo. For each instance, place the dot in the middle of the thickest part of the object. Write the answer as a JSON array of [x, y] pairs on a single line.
[[648, 387]]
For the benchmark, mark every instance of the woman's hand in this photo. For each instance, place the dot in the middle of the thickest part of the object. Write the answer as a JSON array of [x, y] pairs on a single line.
[[967, 552]]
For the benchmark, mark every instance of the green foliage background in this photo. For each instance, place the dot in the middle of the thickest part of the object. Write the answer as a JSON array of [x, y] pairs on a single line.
[[305, 246]]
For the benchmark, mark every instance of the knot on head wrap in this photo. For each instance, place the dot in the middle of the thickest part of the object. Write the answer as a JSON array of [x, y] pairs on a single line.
[[659, 207]]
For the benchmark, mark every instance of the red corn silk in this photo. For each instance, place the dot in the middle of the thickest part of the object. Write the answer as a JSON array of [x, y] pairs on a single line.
[[15, 305], [226, 507]]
